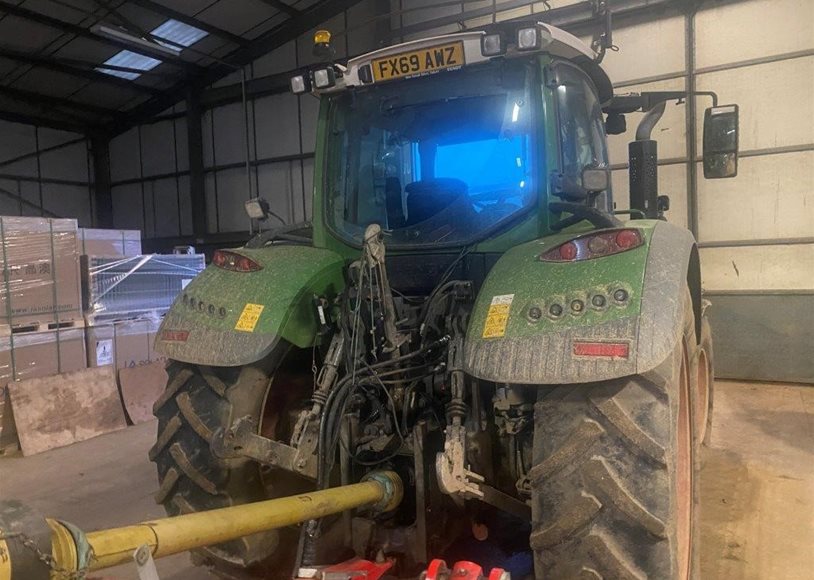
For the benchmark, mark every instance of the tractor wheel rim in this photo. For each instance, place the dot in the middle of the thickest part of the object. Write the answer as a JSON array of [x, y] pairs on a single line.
[[684, 495]]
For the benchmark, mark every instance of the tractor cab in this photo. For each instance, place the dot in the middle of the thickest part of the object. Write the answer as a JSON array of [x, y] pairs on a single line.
[[451, 140]]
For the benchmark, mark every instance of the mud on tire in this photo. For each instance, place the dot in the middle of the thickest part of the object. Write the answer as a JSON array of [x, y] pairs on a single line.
[[199, 400], [604, 477]]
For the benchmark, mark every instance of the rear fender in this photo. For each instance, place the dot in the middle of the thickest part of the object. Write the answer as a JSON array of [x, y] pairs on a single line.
[[226, 318], [541, 350]]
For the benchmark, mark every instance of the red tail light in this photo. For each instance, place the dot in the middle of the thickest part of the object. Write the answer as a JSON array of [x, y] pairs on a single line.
[[234, 262], [594, 245]]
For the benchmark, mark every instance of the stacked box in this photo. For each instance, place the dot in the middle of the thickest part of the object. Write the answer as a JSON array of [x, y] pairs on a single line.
[[125, 343], [40, 286], [35, 354], [120, 288], [100, 242]]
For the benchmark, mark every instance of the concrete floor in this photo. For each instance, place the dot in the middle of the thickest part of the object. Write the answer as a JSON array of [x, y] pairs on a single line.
[[757, 486]]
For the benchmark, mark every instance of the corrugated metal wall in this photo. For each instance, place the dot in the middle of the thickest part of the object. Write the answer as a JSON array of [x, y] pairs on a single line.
[[44, 172], [149, 163]]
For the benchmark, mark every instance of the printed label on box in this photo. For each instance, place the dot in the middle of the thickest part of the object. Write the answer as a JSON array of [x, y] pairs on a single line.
[[104, 352]]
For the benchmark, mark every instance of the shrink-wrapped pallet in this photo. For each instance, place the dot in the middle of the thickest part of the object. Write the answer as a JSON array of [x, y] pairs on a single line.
[[39, 289]]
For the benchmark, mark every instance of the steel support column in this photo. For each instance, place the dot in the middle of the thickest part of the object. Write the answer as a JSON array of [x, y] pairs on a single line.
[[691, 119], [196, 165], [100, 151]]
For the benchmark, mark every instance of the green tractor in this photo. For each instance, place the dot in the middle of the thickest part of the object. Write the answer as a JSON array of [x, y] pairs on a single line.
[[467, 310]]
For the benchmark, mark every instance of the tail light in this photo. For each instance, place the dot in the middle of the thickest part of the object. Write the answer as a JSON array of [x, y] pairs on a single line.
[[594, 245], [234, 262]]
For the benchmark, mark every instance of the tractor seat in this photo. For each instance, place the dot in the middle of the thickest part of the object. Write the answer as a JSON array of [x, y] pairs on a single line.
[[430, 197]]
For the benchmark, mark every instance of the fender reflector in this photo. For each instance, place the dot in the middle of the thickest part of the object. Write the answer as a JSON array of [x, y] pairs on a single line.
[[602, 349], [174, 335]]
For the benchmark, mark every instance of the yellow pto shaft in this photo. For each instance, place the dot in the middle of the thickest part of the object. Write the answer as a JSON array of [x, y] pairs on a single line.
[[380, 490]]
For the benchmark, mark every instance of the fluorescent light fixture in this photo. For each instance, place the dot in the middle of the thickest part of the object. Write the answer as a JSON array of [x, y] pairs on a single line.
[[171, 30], [117, 33]]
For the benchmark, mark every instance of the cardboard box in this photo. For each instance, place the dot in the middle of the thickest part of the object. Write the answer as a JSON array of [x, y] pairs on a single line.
[[101, 242], [40, 266], [35, 354], [126, 343]]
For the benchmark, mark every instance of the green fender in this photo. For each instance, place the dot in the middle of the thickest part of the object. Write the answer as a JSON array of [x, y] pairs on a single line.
[[540, 350], [226, 318]]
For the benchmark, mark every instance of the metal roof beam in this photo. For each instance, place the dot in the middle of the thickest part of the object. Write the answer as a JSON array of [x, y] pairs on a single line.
[[282, 7], [287, 31], [186, 19], [60, 66], [276, 37], [67, 27], [45, 122], [30, 97], [37, 152]]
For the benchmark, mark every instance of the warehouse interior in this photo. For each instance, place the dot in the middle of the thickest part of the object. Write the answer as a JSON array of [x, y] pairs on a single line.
[[125, 164]]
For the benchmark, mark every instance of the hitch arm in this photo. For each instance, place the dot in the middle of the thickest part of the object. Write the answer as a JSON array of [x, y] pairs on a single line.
[[241, 440]]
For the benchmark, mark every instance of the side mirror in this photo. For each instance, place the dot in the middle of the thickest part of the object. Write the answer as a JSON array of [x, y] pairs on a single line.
[[257, 208], [721, 142]]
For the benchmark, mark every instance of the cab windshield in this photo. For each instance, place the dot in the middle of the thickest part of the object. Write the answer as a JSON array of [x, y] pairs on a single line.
[[444, 159]]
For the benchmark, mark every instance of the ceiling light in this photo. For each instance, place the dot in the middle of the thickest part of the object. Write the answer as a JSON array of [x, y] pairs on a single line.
[[122, 35], [173, 31]]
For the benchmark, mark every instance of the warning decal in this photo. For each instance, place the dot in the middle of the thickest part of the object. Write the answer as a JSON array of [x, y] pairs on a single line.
[[249, 317], [498, 316], [104, 352]]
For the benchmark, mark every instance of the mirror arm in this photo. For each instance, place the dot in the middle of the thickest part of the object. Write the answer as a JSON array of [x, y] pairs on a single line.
[[711, 94]]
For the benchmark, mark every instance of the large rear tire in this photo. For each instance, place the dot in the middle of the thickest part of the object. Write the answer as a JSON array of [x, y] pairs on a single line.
[[199, 400], [612, 482]]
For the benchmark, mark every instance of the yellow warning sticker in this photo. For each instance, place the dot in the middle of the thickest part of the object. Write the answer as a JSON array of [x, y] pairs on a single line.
[[249, 317], [498, 316]]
